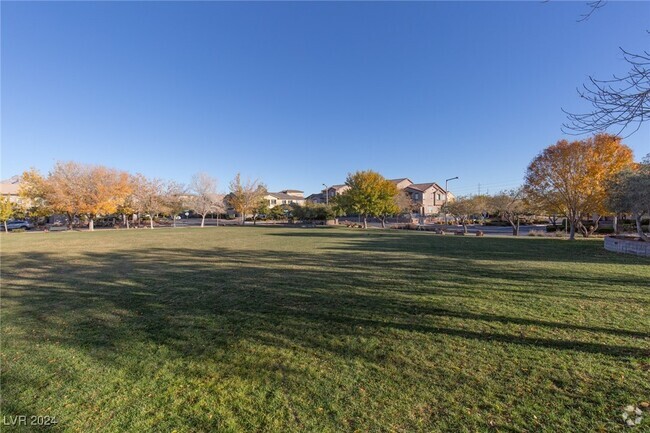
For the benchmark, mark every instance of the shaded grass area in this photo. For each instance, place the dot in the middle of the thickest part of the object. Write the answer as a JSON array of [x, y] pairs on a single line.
[[278, 329]]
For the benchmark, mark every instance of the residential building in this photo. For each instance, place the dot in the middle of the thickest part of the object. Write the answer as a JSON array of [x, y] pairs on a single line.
[[401, 183], [316, 198], [287, 196], [10, 188], [428, 198]]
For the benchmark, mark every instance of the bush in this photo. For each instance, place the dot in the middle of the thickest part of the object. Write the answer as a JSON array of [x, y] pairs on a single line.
[[551, 228], [536, 233], [496, 223], [605, 230]]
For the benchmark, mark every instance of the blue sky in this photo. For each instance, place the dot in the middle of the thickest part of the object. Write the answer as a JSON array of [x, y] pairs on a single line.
[[300, 94]]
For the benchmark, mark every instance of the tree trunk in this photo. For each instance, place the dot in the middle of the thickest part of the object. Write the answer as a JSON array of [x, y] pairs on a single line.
[[588, 231], [615, 225], [383, 222], [243, 218], [217, 220], [365, 222], [127, 221], [203, 220], [639, 228], [515, 227], [151, 221], [572, 230], [174, 221], [6, 229], [465, 227], [70, 220], [91, 224]]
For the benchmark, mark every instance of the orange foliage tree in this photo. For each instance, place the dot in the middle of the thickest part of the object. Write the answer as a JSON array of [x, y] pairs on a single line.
[[76, 189], [571, 178]]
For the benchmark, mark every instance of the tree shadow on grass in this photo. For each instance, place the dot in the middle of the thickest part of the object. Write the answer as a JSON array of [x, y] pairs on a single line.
[[182, 297], [490, 248], [346, 302]]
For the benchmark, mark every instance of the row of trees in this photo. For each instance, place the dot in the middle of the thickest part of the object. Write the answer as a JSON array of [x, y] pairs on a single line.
[[581, 180], [82, 190], [584, 180]]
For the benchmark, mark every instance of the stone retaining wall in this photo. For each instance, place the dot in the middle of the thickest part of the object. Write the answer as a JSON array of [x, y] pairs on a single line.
[[627, 246]]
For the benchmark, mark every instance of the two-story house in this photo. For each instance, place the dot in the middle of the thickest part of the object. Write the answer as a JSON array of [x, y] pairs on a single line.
[[287, 196], [428, 198]]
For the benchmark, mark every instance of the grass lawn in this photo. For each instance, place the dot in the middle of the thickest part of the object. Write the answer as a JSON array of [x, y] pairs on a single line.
[[321, 330]]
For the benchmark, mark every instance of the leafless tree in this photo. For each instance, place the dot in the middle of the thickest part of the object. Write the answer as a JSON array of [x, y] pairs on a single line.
[[205, 199], [175, 199], [593, 6], [148, 196], [622, 101]]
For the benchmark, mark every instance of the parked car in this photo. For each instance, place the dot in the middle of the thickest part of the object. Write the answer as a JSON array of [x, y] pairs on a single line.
[[19, 224]]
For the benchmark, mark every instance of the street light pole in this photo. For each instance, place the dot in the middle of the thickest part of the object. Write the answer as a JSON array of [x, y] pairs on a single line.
[[446, 194], [327, 195]]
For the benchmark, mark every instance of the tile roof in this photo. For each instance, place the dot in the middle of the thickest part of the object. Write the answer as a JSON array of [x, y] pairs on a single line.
[[284, 196], [424, 186]]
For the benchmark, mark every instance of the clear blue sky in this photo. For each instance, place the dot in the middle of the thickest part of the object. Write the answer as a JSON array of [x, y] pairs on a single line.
[[300, 94]]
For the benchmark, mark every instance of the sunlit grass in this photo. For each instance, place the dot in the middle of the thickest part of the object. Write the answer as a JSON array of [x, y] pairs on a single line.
[[324, 330]]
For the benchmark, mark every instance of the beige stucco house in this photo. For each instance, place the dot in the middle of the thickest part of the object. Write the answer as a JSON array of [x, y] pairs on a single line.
[[287, 196]]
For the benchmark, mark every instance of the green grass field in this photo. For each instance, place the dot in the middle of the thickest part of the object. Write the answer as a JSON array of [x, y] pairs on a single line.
[[321, 330]]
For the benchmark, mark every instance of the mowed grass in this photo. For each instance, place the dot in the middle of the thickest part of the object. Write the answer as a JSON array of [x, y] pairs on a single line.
[[321, 330]]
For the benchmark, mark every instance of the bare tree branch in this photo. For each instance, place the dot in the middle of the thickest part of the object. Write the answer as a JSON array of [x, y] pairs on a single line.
[[622, 101], [593, 5]]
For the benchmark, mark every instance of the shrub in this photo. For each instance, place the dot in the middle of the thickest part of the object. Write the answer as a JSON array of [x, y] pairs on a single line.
[[605, 230], [536, 233], [551, 228]]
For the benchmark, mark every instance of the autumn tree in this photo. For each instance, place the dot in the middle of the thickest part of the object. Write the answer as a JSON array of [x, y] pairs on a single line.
[[245, 195], [463, 209], [629, 191], [6, 211], [61, 191], [510, 206], [100, 191], [388, 205], [175, 199], [148, 196], [127, 207], [369, 195], [571, 177], [76, 189], [33, 192]]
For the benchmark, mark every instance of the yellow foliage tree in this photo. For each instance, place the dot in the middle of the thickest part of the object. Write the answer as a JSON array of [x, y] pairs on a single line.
[[571, 178], [76, 189]]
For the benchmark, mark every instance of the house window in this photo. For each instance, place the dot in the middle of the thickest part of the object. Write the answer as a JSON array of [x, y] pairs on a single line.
[[416, 196], [439, 196], [273, 201]]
